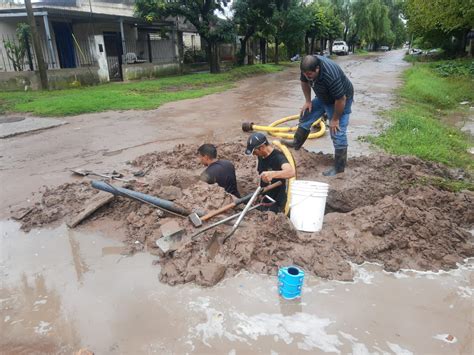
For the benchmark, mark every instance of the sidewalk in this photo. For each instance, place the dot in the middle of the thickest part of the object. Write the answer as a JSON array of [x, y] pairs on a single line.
[[14, 125]]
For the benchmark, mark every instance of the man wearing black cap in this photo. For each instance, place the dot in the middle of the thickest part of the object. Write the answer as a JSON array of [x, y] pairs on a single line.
[[272, 167]]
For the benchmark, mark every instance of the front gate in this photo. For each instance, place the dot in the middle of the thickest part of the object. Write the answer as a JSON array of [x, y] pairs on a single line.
[[113, 52]]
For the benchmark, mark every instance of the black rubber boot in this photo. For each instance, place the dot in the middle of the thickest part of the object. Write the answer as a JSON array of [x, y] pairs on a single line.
[[300, 137], [340, 159]]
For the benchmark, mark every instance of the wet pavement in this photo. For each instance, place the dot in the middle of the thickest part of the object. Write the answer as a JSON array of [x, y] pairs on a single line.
[[63, 290]]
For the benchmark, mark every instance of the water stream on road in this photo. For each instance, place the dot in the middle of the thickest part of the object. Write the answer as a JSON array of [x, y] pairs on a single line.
[[66, 289]]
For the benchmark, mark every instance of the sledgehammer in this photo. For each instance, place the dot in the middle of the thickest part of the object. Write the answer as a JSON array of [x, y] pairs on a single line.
[[197, 221]]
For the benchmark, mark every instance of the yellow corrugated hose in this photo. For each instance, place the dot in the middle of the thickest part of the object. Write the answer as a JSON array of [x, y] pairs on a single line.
[[290, 159], [284, 132]]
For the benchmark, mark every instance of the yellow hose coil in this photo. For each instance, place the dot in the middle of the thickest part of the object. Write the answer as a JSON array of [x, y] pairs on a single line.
[[283, 132], [290, 159]]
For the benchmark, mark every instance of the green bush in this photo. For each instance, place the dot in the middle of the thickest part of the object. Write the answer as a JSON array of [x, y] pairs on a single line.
[[454, 68]]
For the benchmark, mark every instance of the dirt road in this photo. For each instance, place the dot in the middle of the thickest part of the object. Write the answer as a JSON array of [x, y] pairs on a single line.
[[64, 289], [106, 140]]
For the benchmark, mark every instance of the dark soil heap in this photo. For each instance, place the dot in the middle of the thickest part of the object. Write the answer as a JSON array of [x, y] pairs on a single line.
[[384, 209]]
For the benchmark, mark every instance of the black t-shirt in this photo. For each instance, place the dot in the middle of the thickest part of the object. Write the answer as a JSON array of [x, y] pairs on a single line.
[[274, 162], [223, 172]]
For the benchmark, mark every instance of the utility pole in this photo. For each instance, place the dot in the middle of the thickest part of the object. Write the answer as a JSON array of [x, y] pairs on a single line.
[[37, 46]]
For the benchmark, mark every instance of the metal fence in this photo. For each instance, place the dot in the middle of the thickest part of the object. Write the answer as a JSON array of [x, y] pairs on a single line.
[[26, 58], [84, 54], [152, 51], [11, 62]]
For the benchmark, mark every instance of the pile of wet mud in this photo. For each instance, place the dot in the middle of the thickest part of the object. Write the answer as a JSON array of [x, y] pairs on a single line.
[[384, 209]]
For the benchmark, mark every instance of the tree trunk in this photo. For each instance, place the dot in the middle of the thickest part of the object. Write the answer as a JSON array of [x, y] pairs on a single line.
[[250, 53], [306, 43], [471, 47], [322, 46], [464, 41], [331, 41], [243, 50], [37, 46], [277, 52], [180, 51], [28, 52], [214, 66], [263, 50], [312, 44]]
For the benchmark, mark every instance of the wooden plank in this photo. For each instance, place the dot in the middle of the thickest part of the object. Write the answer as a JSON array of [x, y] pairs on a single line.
[[99, 200]]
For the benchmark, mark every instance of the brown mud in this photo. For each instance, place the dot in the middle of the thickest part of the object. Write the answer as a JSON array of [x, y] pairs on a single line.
[[384, 209]]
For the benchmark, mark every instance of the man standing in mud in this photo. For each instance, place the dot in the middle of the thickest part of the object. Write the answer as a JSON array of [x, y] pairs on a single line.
[[334, 94], [219, 171], [272, 167]]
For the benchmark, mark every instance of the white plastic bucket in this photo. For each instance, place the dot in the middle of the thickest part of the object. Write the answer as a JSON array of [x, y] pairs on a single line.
[[308, 201]]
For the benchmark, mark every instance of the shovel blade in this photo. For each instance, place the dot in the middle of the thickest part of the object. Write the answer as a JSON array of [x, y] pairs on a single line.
[[213, 245], [169, 243]]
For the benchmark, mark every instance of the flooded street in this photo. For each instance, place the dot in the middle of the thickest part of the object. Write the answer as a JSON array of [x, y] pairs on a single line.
[[63, 290]]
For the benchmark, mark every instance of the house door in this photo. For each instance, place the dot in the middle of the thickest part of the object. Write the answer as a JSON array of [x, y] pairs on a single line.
[[64, 44], [113, 52]]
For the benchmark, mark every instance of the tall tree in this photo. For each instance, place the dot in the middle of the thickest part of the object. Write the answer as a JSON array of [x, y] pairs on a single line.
[[335, 27], [372, 23], [200, 13], [318, 26], [343, 10], [250, 17], [441, 19], [295, 22]]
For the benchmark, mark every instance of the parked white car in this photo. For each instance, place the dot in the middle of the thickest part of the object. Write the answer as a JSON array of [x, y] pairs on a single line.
[[340, 47]]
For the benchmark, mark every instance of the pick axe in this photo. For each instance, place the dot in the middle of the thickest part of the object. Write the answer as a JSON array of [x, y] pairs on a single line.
[[197, 221]]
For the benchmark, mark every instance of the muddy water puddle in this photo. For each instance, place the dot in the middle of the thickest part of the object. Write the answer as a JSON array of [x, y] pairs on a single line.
[[63, 290]]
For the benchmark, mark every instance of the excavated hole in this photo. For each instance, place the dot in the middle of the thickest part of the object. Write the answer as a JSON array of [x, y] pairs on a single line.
[[377, 211]]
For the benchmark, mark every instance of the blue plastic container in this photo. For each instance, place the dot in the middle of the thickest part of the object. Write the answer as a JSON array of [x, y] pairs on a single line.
[[290, 280]]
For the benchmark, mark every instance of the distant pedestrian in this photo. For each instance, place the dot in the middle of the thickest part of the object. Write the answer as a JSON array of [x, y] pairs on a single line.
[[334, 95], [218, 171]]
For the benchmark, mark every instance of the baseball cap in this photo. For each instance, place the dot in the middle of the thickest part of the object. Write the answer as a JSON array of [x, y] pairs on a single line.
[[255, 141]]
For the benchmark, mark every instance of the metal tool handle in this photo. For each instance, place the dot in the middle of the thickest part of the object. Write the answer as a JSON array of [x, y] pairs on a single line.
[[239, 201], [247, 206], [227, 219], [242, 214]]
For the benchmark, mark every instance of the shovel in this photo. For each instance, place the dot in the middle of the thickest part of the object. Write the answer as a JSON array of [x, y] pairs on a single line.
[[197, 221], [172, 243], [244, 212], [213, 245]]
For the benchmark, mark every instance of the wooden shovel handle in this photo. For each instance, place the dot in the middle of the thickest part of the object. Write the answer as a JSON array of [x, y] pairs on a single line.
[[239, 201]]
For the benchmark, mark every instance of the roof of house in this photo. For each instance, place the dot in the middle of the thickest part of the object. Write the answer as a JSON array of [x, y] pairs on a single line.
[[80, 15]]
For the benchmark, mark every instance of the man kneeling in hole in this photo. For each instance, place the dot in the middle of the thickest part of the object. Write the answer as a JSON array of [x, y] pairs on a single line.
[[272, 166], [218, 171]]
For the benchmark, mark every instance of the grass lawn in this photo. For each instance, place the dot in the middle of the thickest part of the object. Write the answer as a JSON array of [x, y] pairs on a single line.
[[145, 94], [429, 99]]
